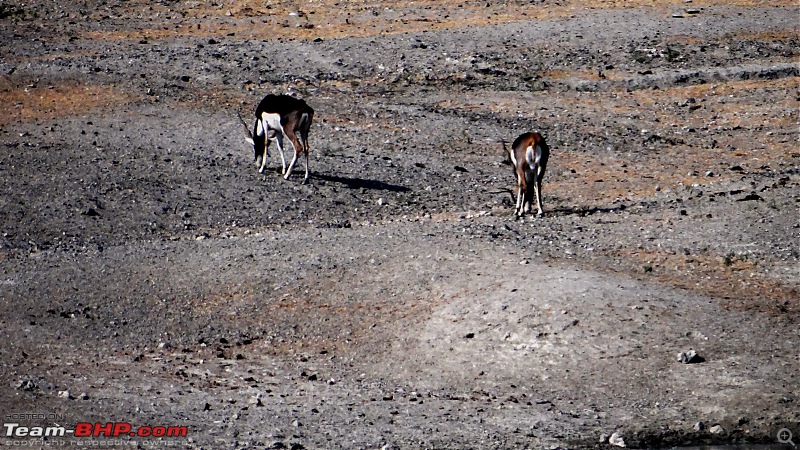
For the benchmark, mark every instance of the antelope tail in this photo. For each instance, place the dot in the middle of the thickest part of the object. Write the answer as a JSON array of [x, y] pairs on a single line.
[[246, 127]]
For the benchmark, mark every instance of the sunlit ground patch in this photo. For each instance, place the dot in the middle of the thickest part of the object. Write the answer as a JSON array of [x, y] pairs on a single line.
[[55, 101], [251, 19]]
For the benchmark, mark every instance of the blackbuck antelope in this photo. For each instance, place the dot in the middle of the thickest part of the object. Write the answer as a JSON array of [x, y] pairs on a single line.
[[529, 154], [278, 116]]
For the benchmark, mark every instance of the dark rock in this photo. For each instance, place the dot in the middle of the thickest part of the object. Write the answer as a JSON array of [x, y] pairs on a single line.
[[27, 385], [750, 197], [690, 357]]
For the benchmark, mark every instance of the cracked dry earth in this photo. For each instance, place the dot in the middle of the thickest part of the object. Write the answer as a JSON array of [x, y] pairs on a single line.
[[149, 274]]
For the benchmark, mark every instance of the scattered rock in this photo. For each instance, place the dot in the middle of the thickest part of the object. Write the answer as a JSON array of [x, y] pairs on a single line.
[[690, 357], [27, 385], [699, 426], [742, 421], [91, 212], [256, 400], [65, 395], [717, 429], [616, 440], [750, 197]]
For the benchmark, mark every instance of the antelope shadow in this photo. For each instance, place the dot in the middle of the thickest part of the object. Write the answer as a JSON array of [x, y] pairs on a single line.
[[585, 210], [361, 183]]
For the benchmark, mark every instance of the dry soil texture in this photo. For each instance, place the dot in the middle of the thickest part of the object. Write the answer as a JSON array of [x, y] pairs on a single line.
[[150, 275]]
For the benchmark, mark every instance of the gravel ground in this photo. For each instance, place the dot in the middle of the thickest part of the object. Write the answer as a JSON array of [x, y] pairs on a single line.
[[150, 275]]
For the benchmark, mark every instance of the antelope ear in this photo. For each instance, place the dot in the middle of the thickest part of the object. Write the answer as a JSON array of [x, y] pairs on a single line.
[[250, 141]]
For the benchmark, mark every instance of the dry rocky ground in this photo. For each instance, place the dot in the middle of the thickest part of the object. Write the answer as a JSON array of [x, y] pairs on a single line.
[[149, 274]]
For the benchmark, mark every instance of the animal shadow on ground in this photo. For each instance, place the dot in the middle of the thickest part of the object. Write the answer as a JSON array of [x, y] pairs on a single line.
[[360, 183], [584, 211]]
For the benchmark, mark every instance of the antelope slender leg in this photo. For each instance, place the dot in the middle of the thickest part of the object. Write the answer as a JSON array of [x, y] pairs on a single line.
[[263, 157], [296, 147], [279, 142], [538, 185], [306, 176]]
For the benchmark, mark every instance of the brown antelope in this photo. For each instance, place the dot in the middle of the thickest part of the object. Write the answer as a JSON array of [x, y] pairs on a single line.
[[529, 154], [278, 116]]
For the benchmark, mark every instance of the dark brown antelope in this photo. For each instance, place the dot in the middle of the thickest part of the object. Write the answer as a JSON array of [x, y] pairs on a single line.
[[529, 154], [278, 116]]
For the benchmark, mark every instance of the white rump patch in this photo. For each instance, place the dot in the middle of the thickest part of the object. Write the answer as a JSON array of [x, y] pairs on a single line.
[[273, 121], [531, 158]]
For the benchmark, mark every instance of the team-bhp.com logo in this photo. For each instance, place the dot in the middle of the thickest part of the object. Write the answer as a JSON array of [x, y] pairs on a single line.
[[86, 429]]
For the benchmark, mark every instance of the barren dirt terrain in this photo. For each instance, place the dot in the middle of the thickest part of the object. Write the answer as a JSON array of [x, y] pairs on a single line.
[[149, 275]]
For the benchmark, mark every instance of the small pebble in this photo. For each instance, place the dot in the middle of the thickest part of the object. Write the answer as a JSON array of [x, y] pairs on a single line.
[[717, 429], [690, 357], [616, 440]]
